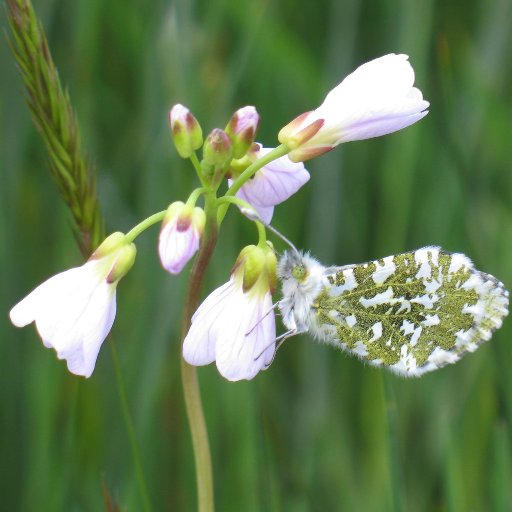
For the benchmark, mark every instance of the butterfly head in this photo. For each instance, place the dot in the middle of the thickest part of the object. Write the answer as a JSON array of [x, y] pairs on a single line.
[[301, 279]]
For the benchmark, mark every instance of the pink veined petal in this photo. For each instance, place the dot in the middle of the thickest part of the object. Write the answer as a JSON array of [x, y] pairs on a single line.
[[273, 184], [369, 128], [199, 344], [265, 212], [176, 248], [265, 346], [166, 234]]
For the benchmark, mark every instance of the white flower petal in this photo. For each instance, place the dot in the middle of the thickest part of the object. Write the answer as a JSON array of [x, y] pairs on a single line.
[[376, 99], [383, 80], [246, 347], [199, 344], [73, 312], [66, 297], [373, 126], [90, 331]]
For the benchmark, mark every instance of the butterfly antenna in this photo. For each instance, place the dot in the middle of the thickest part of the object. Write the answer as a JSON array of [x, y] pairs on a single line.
[[253, 215], [281, 236]]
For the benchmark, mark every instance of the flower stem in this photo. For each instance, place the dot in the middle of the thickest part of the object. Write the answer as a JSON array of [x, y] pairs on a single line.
[[251, 171], [145, 224], [189, 379]]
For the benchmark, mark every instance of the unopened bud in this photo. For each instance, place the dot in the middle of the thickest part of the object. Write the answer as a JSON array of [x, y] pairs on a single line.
[[241, 129], [217, 148], [186, 131]]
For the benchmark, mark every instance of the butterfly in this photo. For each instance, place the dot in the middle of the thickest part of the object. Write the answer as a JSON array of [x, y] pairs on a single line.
[[411, 313]]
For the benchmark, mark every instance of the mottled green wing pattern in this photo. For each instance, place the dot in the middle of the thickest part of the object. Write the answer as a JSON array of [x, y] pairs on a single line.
[[413, 313]]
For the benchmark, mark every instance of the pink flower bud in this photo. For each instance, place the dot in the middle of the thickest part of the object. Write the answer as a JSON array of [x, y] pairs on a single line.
[[241, 129], [217, 148], [180, 235], [186, 131]]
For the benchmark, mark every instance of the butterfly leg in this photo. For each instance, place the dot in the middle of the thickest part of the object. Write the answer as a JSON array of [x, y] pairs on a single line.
[[264, 316], [278, 342]]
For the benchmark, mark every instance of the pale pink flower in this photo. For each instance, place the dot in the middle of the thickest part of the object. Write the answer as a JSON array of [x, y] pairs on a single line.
[[235, 324], [272, 184], [180, 235], [378, 98]]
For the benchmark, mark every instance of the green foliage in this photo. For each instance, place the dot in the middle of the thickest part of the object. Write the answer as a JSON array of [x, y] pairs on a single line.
[[318, 430]]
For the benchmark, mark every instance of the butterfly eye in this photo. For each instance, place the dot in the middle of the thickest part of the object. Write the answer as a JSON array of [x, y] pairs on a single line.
[[299, 272]]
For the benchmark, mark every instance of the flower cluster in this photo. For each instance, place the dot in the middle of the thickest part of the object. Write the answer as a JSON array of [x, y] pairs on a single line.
[[235, 325]]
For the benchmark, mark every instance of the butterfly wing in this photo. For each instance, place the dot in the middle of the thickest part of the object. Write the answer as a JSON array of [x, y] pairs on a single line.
[[413, 312]]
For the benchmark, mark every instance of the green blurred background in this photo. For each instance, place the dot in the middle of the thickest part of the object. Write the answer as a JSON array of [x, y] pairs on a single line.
[[318, 431]]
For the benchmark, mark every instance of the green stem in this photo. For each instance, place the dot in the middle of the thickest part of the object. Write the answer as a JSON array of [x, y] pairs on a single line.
[[260, 226], [236, 200], [145, 224], [262, 234], [197, 167], [189, 379], [249, 172], [195, 195], [137, 460]]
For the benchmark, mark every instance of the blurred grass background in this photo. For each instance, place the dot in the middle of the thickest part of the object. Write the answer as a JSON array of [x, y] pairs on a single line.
[[318, 431]]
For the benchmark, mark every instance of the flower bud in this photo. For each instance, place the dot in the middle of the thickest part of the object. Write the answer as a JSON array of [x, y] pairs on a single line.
[[217, 148], [186, 131], [241, 129], [180, 235]]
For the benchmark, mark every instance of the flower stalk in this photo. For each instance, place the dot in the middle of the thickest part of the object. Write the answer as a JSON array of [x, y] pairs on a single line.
[[248, 173], [191, 391]]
